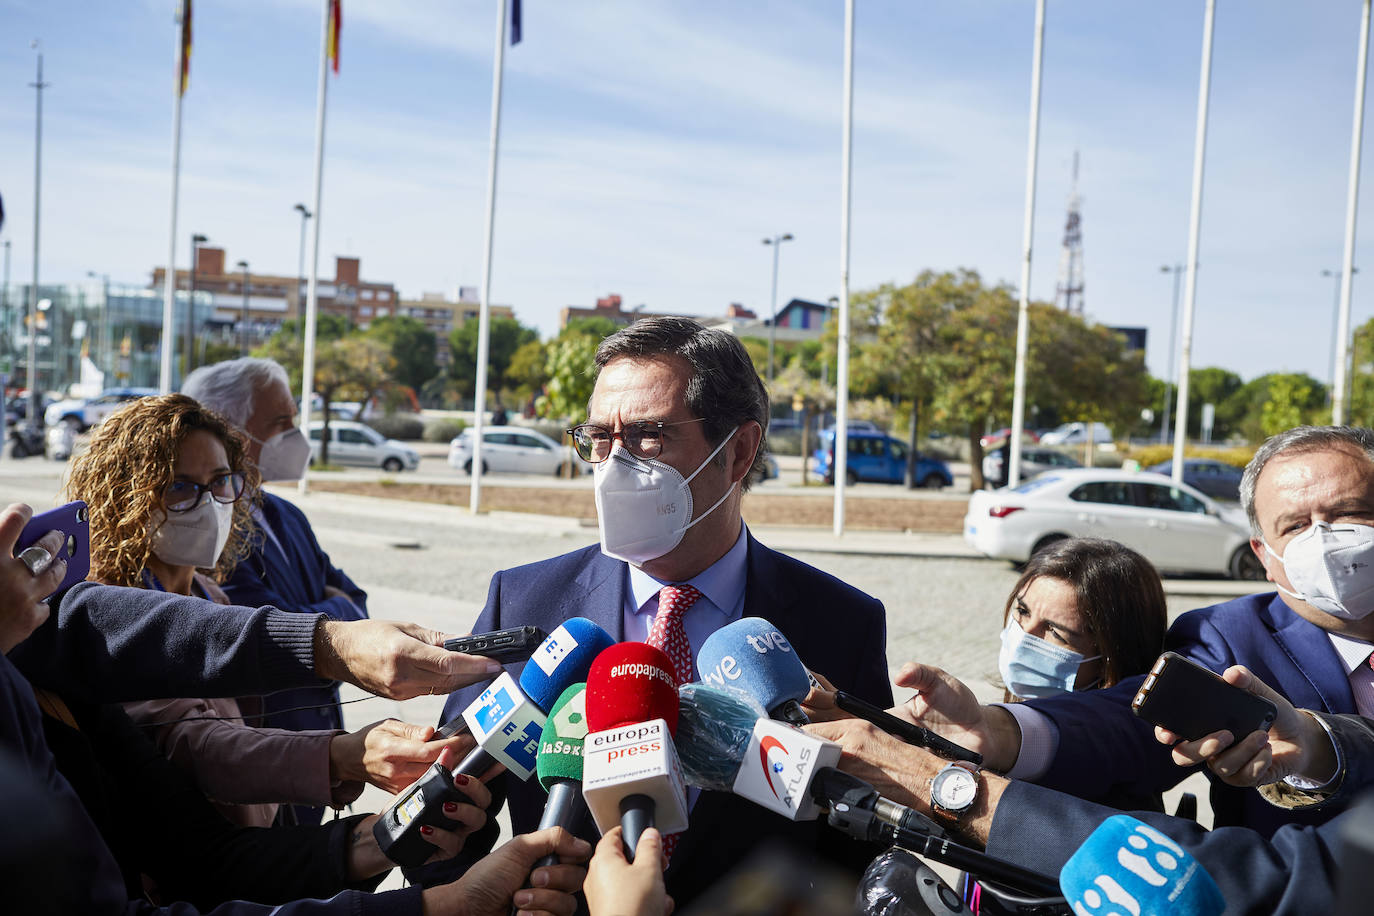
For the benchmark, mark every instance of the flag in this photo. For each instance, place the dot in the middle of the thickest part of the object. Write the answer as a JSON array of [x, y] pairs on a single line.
[[185, 47], [515, 23], [335, 24]]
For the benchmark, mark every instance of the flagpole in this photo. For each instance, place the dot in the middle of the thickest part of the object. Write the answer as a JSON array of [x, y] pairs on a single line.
[[1194, 234], [480, 394], [840, 462], [1339, 389], [312, 286], [164, 378], [1018, 398]]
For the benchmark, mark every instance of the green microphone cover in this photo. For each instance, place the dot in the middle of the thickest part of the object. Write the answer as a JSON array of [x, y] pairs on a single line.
[[565, 731]]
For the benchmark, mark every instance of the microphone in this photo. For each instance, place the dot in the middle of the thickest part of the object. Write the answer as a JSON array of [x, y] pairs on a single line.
[[714, 726], [896, 883], [753, 655], [1128, 866], [507, 719], [559, 765], [631, 775]]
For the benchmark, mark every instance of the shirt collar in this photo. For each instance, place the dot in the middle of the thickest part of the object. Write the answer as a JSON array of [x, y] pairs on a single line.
[[1353, 652], [721, 583]]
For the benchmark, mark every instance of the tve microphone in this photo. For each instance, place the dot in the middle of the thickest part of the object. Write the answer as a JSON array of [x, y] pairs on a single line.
[[560, 762], [631, 775], [753, 655], [1127, 866], [506, 718], [714, 727]]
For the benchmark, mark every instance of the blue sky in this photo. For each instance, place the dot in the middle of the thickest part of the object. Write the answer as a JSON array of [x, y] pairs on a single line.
[[647, 148]]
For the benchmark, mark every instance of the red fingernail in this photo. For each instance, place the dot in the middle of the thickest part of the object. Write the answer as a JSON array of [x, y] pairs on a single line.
[[460, 779], [450, 807], [426, 829]]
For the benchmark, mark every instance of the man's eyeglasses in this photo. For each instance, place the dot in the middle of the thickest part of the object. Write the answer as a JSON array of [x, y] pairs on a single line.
[[642, 438], [185, 495]]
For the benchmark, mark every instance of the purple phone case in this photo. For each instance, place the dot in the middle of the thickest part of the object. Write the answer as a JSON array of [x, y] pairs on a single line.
[[73, 519]]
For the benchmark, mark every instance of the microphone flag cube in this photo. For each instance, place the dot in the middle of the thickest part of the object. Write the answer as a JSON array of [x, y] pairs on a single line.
[[636, 759], [507, 725], [778, 767]]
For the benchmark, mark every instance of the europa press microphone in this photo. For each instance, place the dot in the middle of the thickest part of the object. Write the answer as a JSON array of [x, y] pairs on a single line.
[[752, 655], [1127, 866], [630, 773]]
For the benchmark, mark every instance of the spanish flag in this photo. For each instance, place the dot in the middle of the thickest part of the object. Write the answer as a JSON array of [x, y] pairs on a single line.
[[185, 46], [335, 23]]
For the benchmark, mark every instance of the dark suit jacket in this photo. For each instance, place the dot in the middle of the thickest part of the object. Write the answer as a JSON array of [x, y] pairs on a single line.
[[836, 630], [1103, 748]]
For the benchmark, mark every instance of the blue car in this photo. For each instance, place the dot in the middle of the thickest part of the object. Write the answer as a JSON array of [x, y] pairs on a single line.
[[1217, 479], [878, 458]]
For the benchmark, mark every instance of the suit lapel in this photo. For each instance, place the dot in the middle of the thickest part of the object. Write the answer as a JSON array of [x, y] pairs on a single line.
[[1309, 648], [767, 593], [597, 592]]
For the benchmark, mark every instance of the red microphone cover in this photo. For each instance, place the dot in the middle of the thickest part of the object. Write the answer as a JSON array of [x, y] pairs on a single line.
[[631, 682]]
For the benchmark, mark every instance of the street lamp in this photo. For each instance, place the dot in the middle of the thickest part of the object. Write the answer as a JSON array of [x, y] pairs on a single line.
[[1335, 323], [300, 265], [102, 355], [243, 331], [776, 241], [1177, 271], [196, 241]]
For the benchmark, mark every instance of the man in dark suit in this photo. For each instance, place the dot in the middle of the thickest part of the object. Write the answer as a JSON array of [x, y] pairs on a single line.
[[675, 424], [1310, 646]]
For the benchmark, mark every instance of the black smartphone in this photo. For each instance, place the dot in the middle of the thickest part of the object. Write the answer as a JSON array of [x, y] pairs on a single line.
[[1193, 701], [505, 646], [915, 735], [74, 519]]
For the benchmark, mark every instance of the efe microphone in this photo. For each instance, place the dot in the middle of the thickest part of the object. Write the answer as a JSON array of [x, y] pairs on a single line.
[[752, 655]]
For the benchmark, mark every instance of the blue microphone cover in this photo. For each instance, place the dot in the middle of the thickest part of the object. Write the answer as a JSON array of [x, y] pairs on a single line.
[[714, 725], [752, 655], [1127, 866], [562, 659]]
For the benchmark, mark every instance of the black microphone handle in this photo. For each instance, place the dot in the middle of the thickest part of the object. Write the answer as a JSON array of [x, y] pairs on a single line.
[[978, 864], [475, 763], [790, 711], [562, 809], [636, 816]]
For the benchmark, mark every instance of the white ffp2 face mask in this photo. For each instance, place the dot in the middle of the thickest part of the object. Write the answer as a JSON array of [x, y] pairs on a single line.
[[644, 506], [284, 456], [1332, 568], [193, 538]]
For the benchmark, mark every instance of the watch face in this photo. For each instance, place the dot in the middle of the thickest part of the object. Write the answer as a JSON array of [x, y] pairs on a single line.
[[954, 788]]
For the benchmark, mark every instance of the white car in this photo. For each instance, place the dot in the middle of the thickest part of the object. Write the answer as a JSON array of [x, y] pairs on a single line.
[[1077, 434], [83, 413], [356, 443], [1172, 525], [518, 450]]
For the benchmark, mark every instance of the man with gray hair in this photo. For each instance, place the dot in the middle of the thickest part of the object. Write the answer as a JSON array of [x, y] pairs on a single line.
[[1309, 494], [287, 568]]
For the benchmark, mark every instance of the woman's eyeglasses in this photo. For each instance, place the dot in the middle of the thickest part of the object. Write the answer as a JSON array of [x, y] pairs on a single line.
[[185, 495], [642, 438]]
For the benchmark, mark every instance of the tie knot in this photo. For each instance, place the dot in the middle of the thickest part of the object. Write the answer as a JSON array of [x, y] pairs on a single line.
[[674, 600]]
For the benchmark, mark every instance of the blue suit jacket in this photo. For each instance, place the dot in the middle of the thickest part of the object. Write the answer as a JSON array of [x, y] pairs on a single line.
[[293, 578], [1105, 749], [836, 630]]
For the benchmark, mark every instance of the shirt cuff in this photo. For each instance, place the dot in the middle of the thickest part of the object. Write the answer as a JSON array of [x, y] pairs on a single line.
[[1039, 742], [1299, 792]]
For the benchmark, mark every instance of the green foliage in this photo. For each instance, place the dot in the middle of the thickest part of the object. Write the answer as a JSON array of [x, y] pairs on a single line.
[[1287, 406], [505, 336], [593, 326], [571, 375], [1263, 403], [1150, 455], [528, 370], [412, 346], [406, 427], [443, 430]]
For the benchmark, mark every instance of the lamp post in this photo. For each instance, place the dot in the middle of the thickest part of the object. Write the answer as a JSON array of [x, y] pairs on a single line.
[[300, 265], [35, 401], [776, 241], [196, 241], [102, 344], [1177, 271], [1335, 323], [243, 331]]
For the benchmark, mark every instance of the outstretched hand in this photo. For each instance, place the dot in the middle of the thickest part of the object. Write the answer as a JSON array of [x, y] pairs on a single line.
[[396, 660], [943, 704]]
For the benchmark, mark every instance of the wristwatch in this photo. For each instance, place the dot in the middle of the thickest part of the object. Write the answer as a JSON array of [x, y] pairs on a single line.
[[953, 791]]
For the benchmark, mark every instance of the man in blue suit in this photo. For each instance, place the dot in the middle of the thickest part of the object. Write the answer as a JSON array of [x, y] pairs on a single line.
[[1309, 494], [675, 426]]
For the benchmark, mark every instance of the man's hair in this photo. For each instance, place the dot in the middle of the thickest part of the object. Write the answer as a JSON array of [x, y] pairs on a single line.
[[1300, 439], [724, 389], [229, 388]]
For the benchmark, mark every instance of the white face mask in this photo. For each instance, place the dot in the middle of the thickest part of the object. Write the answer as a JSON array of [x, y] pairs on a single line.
[[193, 538], [284, 456], [1332, 568], [644, 507]]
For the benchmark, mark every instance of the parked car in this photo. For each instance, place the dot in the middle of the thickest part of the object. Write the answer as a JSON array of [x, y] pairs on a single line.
[[1174, 526], [768, 472], [1077, 434], [515, 449], [993, 438], [1217, 479], [355, 443], [1033, 461], [878, 458], [83, 413]]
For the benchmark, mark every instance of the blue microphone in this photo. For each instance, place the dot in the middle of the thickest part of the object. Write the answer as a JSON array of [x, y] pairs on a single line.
[[562, 659], [1127, 866], [714, 727], [752, 655]]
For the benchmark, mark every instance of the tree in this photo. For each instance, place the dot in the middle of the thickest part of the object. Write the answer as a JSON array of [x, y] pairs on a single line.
[[528, 370], [505, 336], [1272, 400], [412, 347], [571, 372]]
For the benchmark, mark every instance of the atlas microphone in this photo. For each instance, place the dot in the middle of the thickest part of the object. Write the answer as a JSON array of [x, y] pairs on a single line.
[[631, 775], [1127, 866], [752, 655]]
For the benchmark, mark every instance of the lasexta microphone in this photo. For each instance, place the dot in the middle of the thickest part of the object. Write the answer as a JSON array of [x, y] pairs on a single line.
[[752, 655], [1127, 866], [631, 775], [559, 765]]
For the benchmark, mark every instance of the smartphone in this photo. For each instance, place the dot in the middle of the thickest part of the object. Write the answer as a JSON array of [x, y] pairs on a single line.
[[1193, 701], [74, 519], [915, 735], [505, 646]]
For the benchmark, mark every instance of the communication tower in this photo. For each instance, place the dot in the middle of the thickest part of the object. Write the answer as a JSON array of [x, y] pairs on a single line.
[[1068, 293]]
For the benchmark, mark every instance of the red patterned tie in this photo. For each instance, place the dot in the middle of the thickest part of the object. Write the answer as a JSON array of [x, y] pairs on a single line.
[[668, 632]]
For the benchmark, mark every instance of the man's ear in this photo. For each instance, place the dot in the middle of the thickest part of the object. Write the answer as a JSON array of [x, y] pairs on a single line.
[[745, 445], [1258, 547]]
